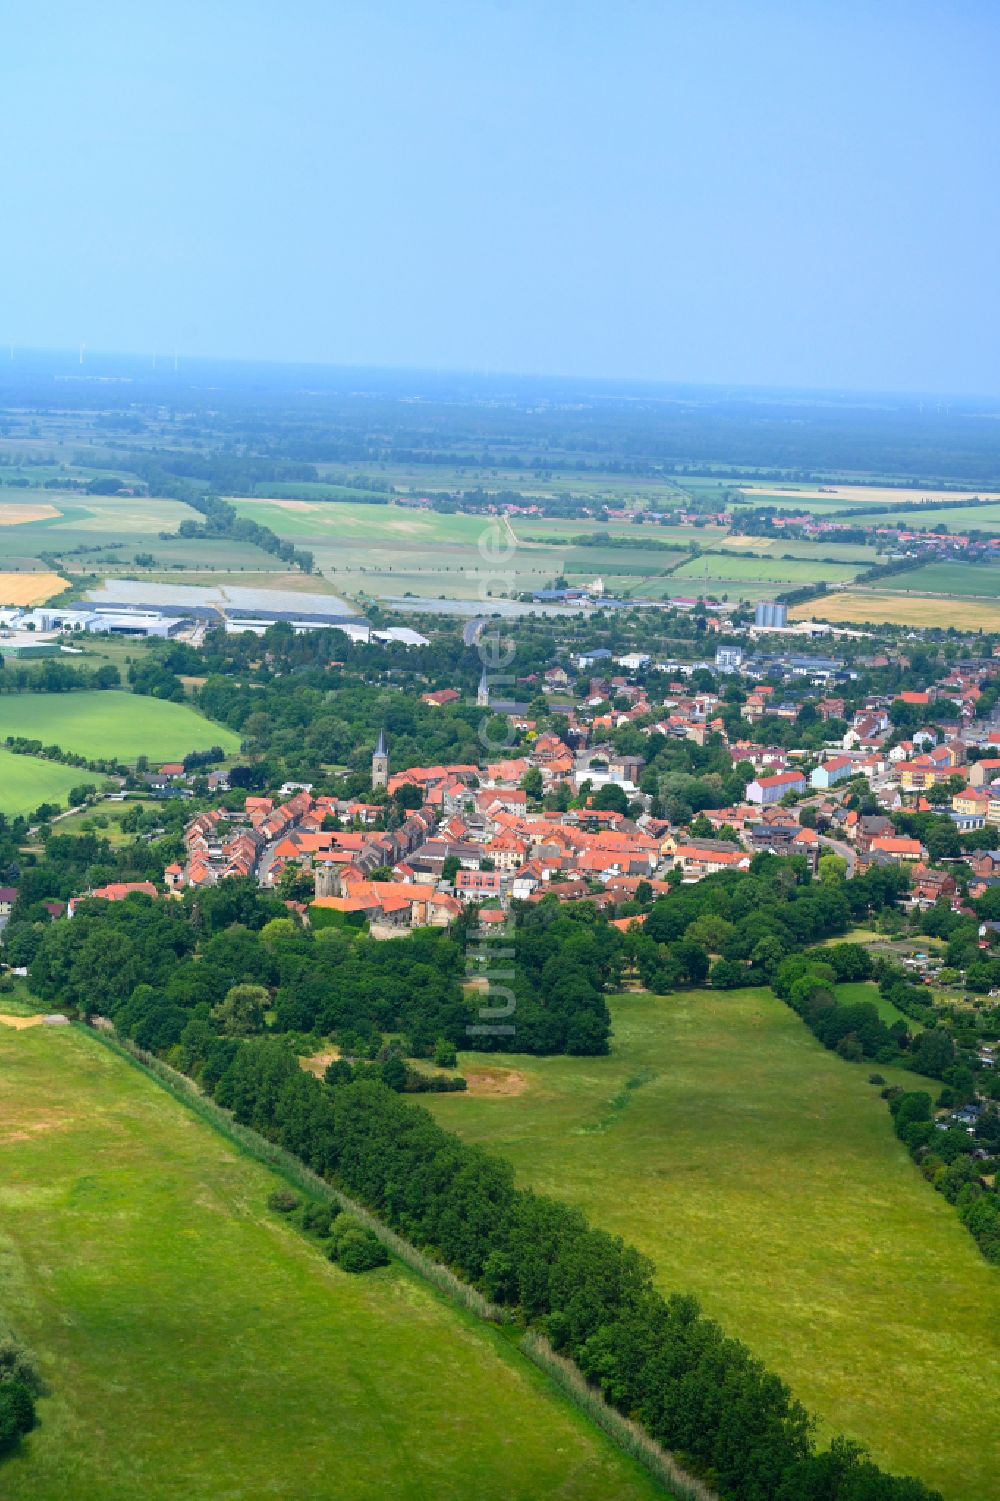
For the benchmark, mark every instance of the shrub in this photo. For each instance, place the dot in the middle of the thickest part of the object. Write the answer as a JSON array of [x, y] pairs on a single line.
[[20, 1384], [17, 1413], [318, 1217], [16, 1365], [445, 1055], [355, 1248], [360, 1251], [284, 1200]]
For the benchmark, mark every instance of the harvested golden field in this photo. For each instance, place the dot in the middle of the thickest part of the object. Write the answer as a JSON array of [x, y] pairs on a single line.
[[30, 588], [12, 514], [882, 607]]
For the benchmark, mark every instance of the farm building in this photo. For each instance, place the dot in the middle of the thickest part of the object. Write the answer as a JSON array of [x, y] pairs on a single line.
[[27, 649]]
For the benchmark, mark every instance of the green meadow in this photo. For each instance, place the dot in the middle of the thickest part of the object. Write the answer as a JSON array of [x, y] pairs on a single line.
[[197, 1348], [112, 724], [26, 781], [761, 1172], [853, 993], [791, 572], [982, 579]]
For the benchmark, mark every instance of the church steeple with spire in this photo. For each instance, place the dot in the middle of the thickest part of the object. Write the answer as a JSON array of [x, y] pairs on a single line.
[[380, 762]]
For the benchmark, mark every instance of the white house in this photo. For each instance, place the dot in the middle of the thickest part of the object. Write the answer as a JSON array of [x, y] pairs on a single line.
[[634, 661], [767, 790]]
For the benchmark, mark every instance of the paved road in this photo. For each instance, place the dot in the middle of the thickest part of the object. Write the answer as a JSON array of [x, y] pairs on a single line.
[[472, 629]]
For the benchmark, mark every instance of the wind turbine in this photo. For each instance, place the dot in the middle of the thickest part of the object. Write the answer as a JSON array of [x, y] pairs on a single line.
[[82, 348]]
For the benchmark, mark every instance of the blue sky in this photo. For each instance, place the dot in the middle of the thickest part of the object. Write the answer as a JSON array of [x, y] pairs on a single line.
[[799, 193]]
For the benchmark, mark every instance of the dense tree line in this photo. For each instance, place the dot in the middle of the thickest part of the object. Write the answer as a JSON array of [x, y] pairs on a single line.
[[184, 475], [223, 520], [167, 973], [739, 928], [52, 676], [944, 1151]]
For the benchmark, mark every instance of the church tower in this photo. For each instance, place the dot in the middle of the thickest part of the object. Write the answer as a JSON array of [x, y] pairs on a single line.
[[380, 762]]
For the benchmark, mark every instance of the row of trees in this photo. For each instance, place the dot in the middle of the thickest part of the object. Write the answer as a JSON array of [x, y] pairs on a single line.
[[696, 1391], [223, 520], [52, 676]]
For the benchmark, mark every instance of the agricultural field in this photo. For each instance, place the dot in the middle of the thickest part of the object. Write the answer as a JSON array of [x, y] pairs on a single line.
[[560, 532], [230, 574], [761, 1172], [823, 498], [25, 781], [388, 550], [888, 607], [197, 1347], [818, 549], [977, 580], [955, 518], [111, 724], [779, 571], [31, 587], [104, 533]]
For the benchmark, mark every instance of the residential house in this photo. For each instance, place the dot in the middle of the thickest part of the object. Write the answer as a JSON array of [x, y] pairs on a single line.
[[898, 847], [931, 886], [440, 698], [765, 790], [705, 857], [478, 885], [829, 773]]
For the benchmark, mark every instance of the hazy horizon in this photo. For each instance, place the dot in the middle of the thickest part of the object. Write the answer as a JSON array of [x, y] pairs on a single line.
[[187, 362], [763, 197]]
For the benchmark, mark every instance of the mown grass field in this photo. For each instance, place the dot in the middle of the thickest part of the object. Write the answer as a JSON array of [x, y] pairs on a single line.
[[761, 1172], [197, 1348], [123, 725], [25, 782], [885, 607]]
